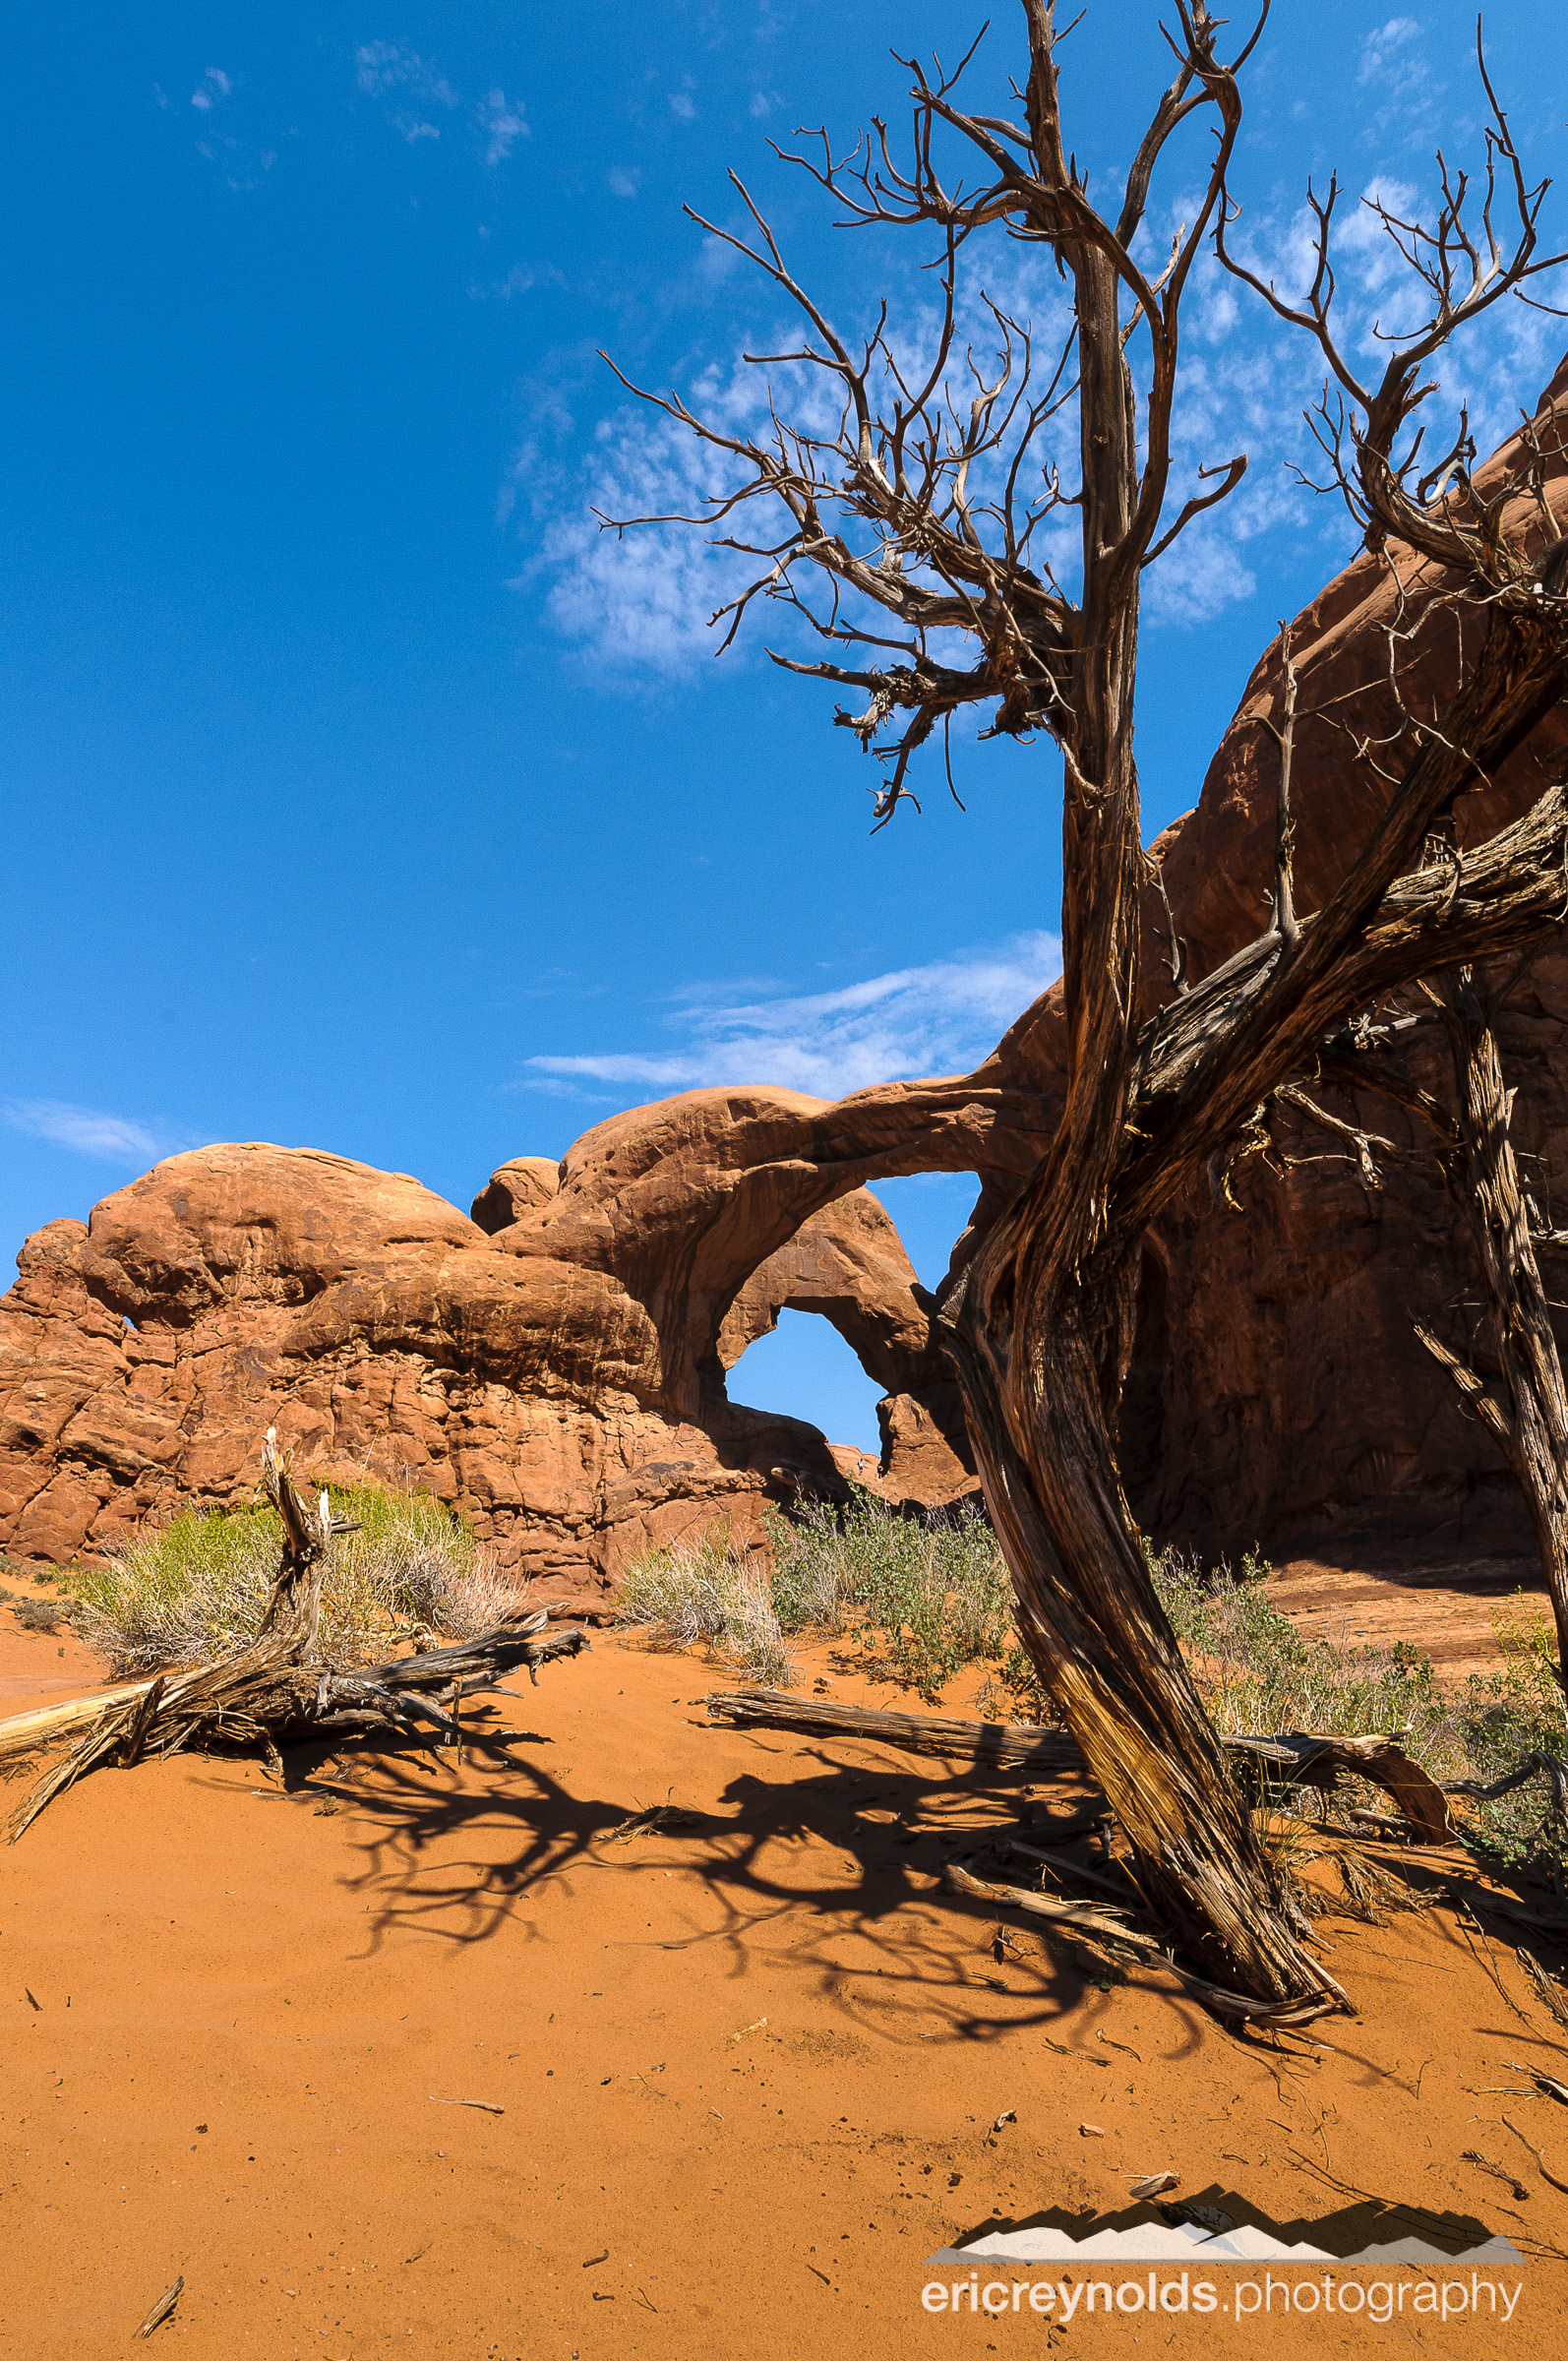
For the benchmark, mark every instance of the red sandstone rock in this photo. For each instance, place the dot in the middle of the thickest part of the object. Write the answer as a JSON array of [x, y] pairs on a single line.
[[143, 1356], [513, 1190]]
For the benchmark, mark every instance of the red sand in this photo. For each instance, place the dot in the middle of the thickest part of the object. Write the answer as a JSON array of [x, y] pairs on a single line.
[[749, 2066]]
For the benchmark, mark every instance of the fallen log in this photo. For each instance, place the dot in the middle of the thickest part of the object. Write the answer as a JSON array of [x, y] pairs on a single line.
[[25, 1734], [1293, 1758], [278, 1689]]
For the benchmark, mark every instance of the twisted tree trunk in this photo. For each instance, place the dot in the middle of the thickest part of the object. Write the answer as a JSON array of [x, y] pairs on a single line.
[[1039, 1322]]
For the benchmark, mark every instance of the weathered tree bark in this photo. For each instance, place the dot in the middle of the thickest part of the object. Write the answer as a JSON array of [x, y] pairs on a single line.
[[278, 1689], [1039, 1324], [1532, 1428]]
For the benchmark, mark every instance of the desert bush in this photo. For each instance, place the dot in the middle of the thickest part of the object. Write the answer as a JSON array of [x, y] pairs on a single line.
[[706, 1589], [1504, 1717], [196, 1587], [918, 1603], [1258, 1674]]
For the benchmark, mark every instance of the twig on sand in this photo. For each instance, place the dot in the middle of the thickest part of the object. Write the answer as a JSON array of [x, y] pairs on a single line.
[[1485, 1963], [1473, 2155], [648, 1823], [1542, 1984], [1094, 1918], [162, 2309], [488, 2105], [1536, 2153]]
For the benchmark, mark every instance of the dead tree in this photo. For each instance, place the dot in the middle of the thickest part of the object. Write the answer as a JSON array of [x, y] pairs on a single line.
[[1531, 1422], [1472, 1147], [277, 1690], [1532, 1428], [921, 506]]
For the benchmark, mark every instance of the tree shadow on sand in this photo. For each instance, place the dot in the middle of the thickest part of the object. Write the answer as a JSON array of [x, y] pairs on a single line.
[[832, 1873]]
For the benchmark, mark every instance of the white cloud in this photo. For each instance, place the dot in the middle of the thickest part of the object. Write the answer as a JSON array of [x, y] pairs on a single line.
[[1393, 66], [625, 180], [214, 84], [518, 280], [941, 1017], [763, 104], [505, 125], [1380, 49], [87, 1131], [382, 66], [391, 69], [682, 106]]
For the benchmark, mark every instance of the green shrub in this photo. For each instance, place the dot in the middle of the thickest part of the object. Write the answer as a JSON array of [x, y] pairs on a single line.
[[919, 1604], [1506, 1716], [706, 1589], [196, 1587], [1258, 1674]]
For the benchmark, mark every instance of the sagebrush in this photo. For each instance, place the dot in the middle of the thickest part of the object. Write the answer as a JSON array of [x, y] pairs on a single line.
[[709, 1588], [917, 1604], [196, 1587]]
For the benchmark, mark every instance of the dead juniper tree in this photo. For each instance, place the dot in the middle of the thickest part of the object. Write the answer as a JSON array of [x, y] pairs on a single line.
[[1531, 1423], [922, 496], [1471, 1144]]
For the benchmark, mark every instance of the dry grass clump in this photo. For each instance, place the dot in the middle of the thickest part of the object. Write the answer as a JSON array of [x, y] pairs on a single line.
[[196, 1587], [708, 1589], [1257, 1675]]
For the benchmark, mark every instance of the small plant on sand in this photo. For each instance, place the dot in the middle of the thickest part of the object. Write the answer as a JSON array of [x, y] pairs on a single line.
[[920, 1602], [196, 1587], [706, 1589], [1258, 1674], [1504, 1718]]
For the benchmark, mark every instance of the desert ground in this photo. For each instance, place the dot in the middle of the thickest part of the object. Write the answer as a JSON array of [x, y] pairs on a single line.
[[730, 2079]]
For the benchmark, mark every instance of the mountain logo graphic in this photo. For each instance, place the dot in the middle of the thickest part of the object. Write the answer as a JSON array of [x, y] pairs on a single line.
[[1217, 2226]]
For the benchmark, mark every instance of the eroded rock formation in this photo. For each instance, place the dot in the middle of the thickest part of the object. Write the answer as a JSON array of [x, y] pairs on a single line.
[[143, 1354], [557, 1364]]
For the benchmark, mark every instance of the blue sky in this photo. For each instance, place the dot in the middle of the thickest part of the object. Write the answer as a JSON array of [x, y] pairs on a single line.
[[359, 794]]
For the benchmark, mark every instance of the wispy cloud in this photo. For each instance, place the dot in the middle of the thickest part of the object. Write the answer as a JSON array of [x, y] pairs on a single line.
[[395, 70], [87, 1131], [941, 1017], [518, 280], [228, 129], [624, 180], [503, 122]]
